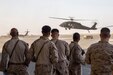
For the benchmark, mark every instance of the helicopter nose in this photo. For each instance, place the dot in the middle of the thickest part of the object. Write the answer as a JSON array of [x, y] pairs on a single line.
[[60, 25]]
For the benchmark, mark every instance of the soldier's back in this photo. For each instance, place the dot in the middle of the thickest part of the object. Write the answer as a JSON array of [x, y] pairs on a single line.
[[101, 57]]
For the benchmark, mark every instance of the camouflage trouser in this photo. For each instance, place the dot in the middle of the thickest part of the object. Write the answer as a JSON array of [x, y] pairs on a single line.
[[17, 70], [61, 68], [75, 70], [100, 73], [43, 69]]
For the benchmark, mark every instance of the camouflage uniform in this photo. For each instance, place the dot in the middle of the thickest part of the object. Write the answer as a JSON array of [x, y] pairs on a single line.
[[17, 61], [61, 68], [76, 59], [100, 56], [46, 58]]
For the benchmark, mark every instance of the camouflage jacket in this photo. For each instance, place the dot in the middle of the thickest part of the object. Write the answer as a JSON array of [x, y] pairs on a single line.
[[63, 49], [75, 54], [100, 56], [19, 54], [48, 54]]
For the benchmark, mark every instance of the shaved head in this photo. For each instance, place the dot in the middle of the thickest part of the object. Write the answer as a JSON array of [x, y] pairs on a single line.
[[14, 32], [76, 37], [105, 32]]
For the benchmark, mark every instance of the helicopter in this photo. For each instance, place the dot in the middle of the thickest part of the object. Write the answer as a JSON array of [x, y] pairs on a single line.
[[71, 24], [20, 35], [23, 35]]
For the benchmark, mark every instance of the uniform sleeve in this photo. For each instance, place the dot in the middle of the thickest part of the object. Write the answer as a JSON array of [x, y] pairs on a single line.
[[112, 67], [87, 58], [4, 59], [30, 52], [53, 54], [27, 60], [67, 51], [112, 60], [78, 55]]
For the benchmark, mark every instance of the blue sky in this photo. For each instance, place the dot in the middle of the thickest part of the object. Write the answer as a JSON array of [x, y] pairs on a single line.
[[33, 14]]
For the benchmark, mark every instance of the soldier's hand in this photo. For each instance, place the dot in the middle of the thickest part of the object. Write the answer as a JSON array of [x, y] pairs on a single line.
[[26, 64], [83, 52], [5, 70], [67, 62], [83, 63], [112, 72]]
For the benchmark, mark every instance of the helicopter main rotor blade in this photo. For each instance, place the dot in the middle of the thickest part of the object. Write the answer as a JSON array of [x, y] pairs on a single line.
[[110, 26], [71, 18], [83, 20], [105, 26], [59, 18]]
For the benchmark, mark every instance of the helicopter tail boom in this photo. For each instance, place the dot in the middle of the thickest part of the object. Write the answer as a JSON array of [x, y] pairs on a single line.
[[94, 26]]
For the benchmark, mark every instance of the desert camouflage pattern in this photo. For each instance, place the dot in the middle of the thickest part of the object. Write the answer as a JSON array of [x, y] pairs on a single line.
[[19, 55], [17, 70], [100, 56], [61, 68], [48, 56], [43, 69], [76, 59]]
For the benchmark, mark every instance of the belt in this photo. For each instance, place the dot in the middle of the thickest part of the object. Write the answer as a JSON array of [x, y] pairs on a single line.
[[11, 63]]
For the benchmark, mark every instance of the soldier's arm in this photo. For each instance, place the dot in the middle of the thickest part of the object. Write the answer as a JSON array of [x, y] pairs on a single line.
[[4, 59], [30, 53], [67, 51], [112, 62], [27, 60], [87, 57], [53, 53], [78, 55], [112, 68]]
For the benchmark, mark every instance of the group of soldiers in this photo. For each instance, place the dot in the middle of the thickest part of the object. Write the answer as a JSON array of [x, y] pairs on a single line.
[[55, 56]]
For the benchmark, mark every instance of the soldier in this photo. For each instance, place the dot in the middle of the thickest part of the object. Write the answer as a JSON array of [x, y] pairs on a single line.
[[16, 51], [75, 57], [61, 68], [45, 53], [100, 55]]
